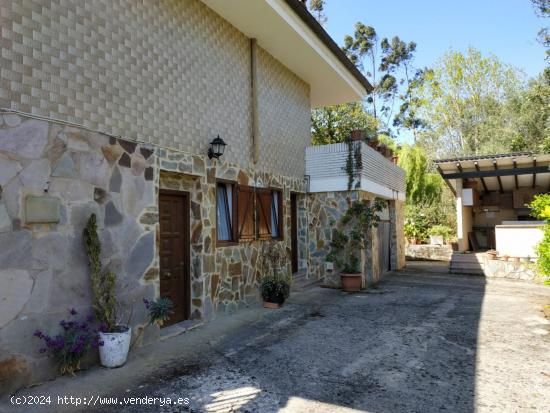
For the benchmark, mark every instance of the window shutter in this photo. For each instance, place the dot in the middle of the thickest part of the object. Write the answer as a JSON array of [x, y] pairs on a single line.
[[263, 202], [245, 213]]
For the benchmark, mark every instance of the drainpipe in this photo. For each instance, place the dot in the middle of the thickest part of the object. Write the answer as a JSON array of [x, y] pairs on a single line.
[[254, 91]]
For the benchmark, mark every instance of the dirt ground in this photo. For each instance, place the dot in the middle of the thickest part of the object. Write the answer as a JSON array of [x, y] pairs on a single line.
[[422, 341]]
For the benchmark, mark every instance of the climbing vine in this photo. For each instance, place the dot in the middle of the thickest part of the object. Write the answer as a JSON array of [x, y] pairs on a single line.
[[354, 163]]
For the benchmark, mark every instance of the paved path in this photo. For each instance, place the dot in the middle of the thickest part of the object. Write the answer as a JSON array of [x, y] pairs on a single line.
[[420, 342]]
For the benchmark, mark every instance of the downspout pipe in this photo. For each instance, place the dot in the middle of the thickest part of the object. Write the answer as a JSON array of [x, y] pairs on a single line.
[[254, 92]]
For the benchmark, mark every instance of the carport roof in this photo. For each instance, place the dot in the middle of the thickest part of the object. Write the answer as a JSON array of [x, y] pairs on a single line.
[[500, 172]]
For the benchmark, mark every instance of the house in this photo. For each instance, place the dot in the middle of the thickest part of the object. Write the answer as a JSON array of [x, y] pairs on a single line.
[[492, 193], [115, 109]]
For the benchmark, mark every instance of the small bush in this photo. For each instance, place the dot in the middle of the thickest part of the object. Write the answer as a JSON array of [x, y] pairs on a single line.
[[540, 209], [442, 230], [71, 345]]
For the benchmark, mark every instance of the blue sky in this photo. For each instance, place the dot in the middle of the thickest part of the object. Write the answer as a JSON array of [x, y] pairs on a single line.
[[505, 28]]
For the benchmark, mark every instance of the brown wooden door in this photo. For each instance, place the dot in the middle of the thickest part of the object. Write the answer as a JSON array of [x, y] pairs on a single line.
[[294, 231], [175, 281]]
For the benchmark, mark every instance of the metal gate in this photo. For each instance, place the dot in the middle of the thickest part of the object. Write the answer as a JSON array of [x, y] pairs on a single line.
[[384, 246]]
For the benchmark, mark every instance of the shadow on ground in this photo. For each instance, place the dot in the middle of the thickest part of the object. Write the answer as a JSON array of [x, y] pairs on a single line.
[[408, 345]]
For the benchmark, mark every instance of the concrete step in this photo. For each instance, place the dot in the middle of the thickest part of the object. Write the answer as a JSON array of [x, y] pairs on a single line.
[[467, 271], [466, 265]]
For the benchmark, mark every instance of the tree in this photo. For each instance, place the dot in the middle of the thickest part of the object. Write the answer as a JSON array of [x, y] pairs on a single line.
[[528, 117], [316, 7], [543, 10], [423, 187], [332, 124], [463, 101], [386, 63]]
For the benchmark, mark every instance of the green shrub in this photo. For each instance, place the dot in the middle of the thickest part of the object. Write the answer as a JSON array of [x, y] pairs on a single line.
[[442, 230], [540, 209], [352, 236]]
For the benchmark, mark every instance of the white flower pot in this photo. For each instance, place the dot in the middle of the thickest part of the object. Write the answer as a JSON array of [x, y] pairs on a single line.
[[115, 347]]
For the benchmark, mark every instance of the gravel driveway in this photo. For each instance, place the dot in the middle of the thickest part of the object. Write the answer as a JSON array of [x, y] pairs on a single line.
[[423, 341], [418, 343]]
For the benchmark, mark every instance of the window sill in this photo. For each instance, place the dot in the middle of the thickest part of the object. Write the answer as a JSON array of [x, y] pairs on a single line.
[[221, 244]]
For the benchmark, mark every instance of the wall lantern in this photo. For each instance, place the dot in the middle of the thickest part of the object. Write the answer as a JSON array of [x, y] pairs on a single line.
[[217, 146]]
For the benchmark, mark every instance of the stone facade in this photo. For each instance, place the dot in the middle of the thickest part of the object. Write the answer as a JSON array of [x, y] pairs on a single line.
[[429, 252], [172, 73], [509, 270], [224, 278], [43, 266], [324, 211]]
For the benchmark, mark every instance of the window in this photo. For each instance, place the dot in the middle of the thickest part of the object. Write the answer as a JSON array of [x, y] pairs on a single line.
[[269, 217], [245, 213], [225, 212]]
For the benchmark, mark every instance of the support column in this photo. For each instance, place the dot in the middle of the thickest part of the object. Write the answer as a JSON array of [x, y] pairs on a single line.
[[463, 218]]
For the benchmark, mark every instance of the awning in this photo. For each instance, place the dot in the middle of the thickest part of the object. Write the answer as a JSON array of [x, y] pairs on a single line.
[[501, 172]]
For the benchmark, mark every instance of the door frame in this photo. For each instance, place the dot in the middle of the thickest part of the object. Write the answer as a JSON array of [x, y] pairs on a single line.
[[186, 246], [294, 258]]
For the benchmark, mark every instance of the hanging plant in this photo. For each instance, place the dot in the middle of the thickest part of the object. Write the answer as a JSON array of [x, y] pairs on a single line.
[[354, 163]]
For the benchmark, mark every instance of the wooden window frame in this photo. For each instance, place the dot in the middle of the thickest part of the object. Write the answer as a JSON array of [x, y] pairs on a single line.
[[234, 215], [262, 192]]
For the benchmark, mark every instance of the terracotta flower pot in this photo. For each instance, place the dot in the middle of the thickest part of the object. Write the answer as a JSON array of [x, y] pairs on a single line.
[[492, 255], [273, 306], [351, 283]]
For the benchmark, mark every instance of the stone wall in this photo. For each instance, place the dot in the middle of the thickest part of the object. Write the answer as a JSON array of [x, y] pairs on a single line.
[[168, 72], [324, 211], [43, 266], [429, 252], [509, 270], [225, 278]]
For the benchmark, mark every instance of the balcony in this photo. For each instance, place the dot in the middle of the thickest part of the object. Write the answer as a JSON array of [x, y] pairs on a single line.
[[326, 169]]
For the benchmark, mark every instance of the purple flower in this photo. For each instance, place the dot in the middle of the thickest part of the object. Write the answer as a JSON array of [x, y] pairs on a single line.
[[147, 303], [90, 318], [42, 350], [38, 334], [72, 311]]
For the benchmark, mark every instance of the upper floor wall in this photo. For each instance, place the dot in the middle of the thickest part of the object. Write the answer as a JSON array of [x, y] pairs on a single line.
[[170, 72]]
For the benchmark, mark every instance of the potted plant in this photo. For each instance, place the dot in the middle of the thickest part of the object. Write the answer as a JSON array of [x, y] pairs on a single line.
[[275, 280], [351, 238], [491, 254], [439, 234], [115, 337]]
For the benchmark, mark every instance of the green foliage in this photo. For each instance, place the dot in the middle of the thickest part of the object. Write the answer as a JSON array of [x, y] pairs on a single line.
[[159, 310], [442, 230], [316, 8], [463, 100], [333, 124], [103, 281], [423, 187], [274, 289], [416, 226], [540, 209], [275, 278], [543, 10], [353, 234], [354, 163], [386, 63]]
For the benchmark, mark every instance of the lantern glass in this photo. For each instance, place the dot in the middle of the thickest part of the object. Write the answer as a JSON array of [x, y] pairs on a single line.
[[217, 148]]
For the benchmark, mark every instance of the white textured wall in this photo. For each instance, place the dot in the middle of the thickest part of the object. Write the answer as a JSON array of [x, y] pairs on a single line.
[[518, 240], [326, 164], [171, 72]]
